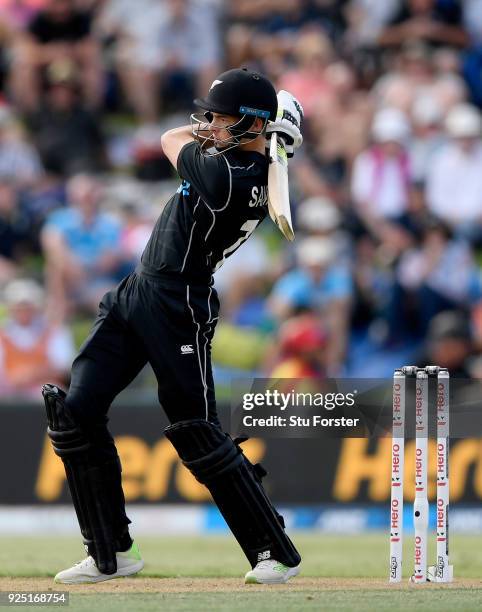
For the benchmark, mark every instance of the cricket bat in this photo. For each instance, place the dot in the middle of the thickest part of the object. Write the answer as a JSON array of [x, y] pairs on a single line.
[[278, 190]]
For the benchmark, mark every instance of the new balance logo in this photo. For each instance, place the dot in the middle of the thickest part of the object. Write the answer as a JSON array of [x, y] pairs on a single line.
[[186, 349], [263, 556]]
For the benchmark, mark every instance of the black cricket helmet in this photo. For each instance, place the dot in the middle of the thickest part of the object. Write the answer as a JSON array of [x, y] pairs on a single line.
[[242, 93]]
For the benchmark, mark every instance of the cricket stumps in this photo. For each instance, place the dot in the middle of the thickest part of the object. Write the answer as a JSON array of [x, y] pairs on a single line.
[[442, 571]]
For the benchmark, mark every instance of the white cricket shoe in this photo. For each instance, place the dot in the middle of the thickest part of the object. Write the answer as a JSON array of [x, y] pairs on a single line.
[[271, 571], [85, 571]]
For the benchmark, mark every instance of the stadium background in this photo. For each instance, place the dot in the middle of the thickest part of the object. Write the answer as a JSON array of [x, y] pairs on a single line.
[[387, 201]]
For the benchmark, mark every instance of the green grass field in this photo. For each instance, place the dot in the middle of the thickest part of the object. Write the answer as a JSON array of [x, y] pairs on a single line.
[[205, 573]]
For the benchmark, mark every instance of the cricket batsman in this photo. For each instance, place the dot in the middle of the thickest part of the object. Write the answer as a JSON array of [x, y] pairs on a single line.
[[165, 314]]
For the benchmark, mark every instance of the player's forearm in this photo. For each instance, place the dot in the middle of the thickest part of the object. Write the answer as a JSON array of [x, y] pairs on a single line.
[[174, 140]]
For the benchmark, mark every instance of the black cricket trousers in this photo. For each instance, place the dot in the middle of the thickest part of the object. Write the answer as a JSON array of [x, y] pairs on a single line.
[[148, 318]]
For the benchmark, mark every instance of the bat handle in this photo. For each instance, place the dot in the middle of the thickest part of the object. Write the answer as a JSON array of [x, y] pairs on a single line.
[[273, 149]]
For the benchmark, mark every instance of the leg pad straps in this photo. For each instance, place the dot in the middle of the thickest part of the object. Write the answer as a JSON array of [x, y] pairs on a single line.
[[235, 485], [95, 487]]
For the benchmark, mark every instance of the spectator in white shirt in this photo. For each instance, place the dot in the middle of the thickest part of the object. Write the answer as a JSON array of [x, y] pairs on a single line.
[[381, 173], [428, 136], [367, 18], [382, 177], [454, 180], [164, 44]]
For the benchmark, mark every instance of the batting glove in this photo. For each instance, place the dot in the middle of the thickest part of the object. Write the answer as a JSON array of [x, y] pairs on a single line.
[[288, 122]]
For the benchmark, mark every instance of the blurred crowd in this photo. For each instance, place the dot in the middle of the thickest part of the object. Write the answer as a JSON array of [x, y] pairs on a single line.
[[386, 190]]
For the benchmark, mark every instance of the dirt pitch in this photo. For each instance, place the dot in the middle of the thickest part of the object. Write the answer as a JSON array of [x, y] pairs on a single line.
[[220, 585]]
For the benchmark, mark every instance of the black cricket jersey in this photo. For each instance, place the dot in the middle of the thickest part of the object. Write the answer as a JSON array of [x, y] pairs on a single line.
[[219, 203]]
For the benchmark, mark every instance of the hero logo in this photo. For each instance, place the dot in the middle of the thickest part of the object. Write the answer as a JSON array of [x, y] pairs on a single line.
[[441, 403], [397, 417], [395, 515], [418, 403], [395, 458], [441, 458], [418, 463], [393, 567], [440, 515], [186, 349], [418, 550]]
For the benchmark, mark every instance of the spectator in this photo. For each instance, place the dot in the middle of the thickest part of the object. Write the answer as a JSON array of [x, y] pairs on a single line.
[[133, 29], [82, 249], [19, 161], [241, 284], [419, 73], [440, 274], [428, 136], [307, 80], [67, 135], [450, 86], [450, 343], [59, 32], [136, 229], [32, 350], [454, 180], [15, 15], [190, 51], [367, 18], [337, 128], [437, 23], [381, 180], [302, 343], [13, 232], [151, 164], [318, 216], [319, 283], [365, 191], [372, 282], [181, 60], [262, 29]]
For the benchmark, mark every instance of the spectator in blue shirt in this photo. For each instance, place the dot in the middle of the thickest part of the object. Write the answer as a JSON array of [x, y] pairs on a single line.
[[82, 248], [320, 283]]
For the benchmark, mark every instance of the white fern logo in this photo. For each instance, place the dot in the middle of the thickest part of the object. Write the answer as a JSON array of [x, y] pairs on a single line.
[[215, 82]]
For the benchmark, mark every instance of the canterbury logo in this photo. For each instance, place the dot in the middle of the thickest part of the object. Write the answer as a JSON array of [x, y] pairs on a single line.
[[215, 82], [186, 349]]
